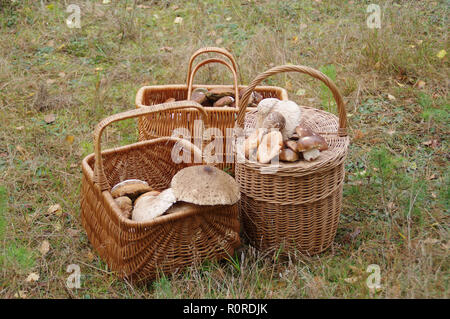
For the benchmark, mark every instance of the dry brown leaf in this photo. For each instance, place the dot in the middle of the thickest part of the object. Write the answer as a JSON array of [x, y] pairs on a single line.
[[45, 247], [219, 41], [358, 134], [391, 97], [54, 209], [90, 256], [32, 277], [70, 139], [420, 84], [49, 118], [352, 280], [21, 294]]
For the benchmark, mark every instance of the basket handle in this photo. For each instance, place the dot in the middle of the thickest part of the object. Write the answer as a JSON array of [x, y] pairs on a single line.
[[204, 62], [206, 50], [342, 131], [99, 174]]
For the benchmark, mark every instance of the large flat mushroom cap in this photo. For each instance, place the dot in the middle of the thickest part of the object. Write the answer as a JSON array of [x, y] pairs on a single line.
[[205, 185]]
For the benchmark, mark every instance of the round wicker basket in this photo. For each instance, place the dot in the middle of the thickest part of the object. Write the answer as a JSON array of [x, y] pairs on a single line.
[[297, 206]]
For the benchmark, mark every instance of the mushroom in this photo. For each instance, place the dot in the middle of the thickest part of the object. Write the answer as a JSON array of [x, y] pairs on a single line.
[[205, 185], [289, 109], [304, 131], [310, 146], [291, 144], [199, 95], [153, 205], [269, 147], [224, 101], [252, 142], [274, 120], [125, 204], [288, 155], [131, 188]]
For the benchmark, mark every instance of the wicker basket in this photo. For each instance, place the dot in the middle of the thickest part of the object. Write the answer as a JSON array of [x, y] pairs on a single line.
[[163, 124], [298, 207], [141, 250]]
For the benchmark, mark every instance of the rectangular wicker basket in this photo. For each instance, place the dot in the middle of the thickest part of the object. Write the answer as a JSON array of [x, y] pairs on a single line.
[[223, 118], [141, 250]]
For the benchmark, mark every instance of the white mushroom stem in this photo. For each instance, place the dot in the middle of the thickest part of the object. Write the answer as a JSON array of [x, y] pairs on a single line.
[[311, 154]]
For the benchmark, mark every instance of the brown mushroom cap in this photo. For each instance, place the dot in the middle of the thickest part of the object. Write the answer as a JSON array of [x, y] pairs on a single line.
[[303, 131], [309, 142], [274, 120], [198, 96], [224, 101], [288, 155], [131, 188], [269, 147], [291, 144], [205, 185]]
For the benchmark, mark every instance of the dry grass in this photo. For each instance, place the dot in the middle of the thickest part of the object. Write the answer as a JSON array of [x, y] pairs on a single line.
[[396, 199]]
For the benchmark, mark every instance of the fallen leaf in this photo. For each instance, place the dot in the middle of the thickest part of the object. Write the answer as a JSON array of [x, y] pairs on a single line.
[[352, 280], [50, 81], [420, 84], [32, 277], [166, 49], [178, 20], [441, 54], [300, 92], [431, 241], [143, 6], [44, 248], [391, 97], [303, 26], [433, 143], [295, 39], [219, 41], [21, 150], [228, 19], [61, 74], [358, 134], [73, 232], [74, 165], [106, 1], [433, 195], [49, 118], [70, 139], [20, 128], [21, 294], [54, 209], [432, 177], [90, 256]]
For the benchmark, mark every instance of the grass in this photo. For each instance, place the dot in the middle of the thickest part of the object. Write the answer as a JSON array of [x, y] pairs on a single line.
[[396, 193]]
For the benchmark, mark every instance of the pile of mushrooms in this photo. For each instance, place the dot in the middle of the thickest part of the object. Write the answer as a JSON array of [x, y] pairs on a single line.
[[279, 133], [219, 97], [190, 187]]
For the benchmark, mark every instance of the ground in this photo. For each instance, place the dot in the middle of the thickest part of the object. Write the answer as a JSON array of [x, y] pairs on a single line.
[[57, 83]]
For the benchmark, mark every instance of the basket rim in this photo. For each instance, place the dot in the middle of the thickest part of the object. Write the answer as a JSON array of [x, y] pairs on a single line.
[[88, 172], [302, 168], [140, 93]]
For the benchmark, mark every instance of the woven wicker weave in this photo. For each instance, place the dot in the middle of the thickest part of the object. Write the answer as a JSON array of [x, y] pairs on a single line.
[[140, 250], [163, 123], [298, 206]]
